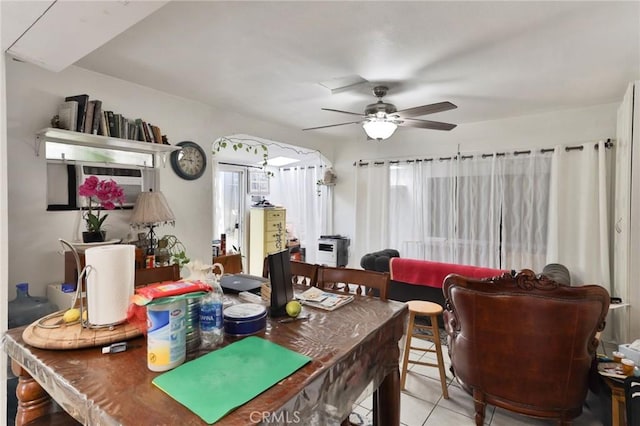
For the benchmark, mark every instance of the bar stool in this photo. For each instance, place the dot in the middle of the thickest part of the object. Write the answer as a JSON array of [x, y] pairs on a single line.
[[431, 310]]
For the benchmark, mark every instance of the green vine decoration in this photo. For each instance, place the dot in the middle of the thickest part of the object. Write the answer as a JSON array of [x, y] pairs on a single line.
[[255, 148]]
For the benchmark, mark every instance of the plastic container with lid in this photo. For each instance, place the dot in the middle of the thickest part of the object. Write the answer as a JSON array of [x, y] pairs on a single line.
[[245, 319], [25, 309]]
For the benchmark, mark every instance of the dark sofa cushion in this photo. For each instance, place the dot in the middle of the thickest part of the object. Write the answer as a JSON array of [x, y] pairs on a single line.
[[379, 260]]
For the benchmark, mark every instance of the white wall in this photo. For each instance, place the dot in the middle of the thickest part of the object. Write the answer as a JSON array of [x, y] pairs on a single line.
[[3, 233], [33, 95], [535, 131]]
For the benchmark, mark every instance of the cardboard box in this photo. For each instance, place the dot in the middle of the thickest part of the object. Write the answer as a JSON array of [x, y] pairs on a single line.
[[630, 353]]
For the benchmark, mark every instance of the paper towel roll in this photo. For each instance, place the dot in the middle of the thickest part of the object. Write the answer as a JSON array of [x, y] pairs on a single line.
[[110, 282]]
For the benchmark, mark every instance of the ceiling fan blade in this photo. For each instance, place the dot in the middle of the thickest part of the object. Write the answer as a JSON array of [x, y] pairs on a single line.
[[426, 124], [426, 109], [344, 112], [332, 125]]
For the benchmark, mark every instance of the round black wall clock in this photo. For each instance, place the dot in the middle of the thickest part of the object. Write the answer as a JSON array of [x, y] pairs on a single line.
[[190, 161]]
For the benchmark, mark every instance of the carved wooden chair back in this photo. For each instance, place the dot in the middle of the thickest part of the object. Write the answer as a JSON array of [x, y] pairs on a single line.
[[523, 343], [301, 272], [358, 281]]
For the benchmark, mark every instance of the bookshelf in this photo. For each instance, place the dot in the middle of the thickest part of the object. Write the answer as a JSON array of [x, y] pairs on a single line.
[[97, 141]]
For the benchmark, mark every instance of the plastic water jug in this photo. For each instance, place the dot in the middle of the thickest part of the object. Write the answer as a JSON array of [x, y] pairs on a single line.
[[25, 309]]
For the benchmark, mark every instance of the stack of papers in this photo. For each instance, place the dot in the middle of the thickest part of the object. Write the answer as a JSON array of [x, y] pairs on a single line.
[[317, 298]]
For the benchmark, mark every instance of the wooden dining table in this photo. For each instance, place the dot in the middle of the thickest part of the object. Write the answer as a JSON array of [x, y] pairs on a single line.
[[353, 349]]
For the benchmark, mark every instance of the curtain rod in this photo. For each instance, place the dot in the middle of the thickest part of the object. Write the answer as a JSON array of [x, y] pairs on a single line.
[[248, 166], [286, 169], [608, 144]]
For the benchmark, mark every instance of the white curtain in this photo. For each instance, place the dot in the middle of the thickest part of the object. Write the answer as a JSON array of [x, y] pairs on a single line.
[[524, 186], [578, 224], [422, 209], [485, 210], [308, 205], [372, 209], [479, 182]]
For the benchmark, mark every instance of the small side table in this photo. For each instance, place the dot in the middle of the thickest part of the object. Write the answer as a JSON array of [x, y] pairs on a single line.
[[618, 410]]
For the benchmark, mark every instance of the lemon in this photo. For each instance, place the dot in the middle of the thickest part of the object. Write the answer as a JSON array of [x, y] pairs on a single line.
[[72, 315], [293, 308]]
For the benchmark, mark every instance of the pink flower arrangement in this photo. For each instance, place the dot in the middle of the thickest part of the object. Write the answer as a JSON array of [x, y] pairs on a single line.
[[104, 193]]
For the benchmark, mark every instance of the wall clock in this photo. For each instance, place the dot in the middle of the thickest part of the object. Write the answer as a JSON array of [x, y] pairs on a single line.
[[190, 161]]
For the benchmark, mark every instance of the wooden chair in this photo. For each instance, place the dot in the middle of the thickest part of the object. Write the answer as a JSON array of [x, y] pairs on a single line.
[[232, 263], [523, 343], [301, 272], [358, 281]]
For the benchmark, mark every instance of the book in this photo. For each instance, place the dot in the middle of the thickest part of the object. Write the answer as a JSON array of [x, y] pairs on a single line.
[[152, 138], [145, 130], [124, 130], [132, 133], [117, 118], [104, 124], [97, 117], [88, 117], [82, 100], [157, 135], [139, 132], [317, 298], [111, 121], [68, 115]]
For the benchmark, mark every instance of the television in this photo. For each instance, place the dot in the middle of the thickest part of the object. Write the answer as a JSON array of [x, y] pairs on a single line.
[[281, 284]]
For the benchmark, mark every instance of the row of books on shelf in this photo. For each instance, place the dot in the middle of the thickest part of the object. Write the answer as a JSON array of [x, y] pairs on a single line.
[[80, 114]]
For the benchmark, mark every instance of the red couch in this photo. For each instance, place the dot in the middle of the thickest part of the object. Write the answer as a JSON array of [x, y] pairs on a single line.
[[414, 279]]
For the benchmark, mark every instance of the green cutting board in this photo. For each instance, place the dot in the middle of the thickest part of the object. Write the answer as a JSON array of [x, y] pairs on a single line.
[[213, 385]]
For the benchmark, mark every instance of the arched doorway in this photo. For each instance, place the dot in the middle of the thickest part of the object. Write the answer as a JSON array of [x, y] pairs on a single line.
[[287, 176]]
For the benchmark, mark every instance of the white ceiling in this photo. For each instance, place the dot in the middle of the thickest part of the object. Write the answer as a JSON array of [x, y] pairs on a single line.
[[492, 59]]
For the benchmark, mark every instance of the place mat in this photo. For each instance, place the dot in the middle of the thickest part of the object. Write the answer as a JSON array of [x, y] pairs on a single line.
[[213, 385], [46, 333]]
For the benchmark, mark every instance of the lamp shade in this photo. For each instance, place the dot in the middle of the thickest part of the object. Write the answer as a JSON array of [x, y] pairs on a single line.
[[379, 128], [151, 208]]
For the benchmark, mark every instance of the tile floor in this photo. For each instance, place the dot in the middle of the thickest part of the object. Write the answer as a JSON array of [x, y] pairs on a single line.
[[422, 403]]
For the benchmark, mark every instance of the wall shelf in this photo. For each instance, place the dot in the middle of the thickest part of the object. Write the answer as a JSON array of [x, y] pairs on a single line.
[[97, 141]]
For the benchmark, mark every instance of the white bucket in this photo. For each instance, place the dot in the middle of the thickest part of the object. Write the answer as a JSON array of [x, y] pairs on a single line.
[[166, 335]]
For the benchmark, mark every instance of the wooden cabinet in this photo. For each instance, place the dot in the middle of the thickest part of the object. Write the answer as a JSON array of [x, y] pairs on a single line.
[[267, 234]]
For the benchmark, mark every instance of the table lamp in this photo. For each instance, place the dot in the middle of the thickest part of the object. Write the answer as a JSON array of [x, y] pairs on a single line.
[[151, 209]]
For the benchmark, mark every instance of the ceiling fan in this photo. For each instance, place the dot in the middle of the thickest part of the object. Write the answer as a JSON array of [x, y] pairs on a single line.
[[381, 119]]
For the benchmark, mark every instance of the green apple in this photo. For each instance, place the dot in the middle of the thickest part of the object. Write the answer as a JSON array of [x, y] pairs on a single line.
[[293, 308]]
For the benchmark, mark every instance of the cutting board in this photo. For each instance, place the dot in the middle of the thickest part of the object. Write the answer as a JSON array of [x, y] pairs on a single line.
[[46, 333]]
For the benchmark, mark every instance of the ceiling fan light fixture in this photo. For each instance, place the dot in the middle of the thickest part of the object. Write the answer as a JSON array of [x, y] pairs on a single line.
[[379, 129]]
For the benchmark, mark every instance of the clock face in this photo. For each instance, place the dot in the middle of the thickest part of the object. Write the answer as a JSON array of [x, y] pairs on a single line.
[[190, 161]]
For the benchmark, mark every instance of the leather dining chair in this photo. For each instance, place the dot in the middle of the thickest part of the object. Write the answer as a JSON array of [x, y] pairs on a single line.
[[301, 272], [357, 281], [524, 343]]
